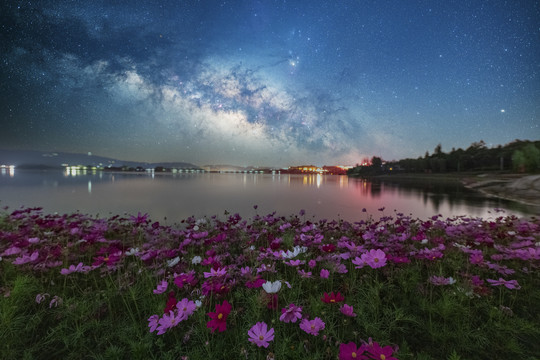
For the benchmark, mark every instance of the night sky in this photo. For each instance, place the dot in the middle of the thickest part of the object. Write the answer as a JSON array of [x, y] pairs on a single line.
[[269, 83]]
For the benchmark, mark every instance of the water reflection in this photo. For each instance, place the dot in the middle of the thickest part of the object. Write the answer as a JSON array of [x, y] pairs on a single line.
[[180, 195]]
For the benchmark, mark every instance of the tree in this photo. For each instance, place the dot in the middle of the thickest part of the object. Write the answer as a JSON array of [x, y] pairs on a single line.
[[376, 162]]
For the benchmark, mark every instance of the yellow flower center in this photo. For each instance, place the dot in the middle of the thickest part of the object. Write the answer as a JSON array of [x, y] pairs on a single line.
[[105, 259], [185, 308], [383, 357], [376, 260], [261, 337], [312, 327], [220, 316], [353, 355], [332, 300]]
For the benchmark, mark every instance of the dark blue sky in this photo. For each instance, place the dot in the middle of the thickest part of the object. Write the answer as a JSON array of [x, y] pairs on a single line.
[[267, 82]]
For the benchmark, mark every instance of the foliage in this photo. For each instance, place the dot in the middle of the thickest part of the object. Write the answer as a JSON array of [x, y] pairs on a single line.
[[518, 155], [74, 286]]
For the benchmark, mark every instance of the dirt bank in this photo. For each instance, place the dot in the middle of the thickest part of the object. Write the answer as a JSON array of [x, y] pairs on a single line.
[[525, 189]]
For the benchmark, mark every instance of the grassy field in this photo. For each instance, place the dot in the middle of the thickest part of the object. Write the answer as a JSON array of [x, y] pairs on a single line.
[[272, 287]]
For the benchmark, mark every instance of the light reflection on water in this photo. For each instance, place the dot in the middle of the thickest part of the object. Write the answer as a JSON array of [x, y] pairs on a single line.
[[178, 196]]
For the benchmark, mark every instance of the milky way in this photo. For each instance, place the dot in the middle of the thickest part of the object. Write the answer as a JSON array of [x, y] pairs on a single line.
[[267, 82]]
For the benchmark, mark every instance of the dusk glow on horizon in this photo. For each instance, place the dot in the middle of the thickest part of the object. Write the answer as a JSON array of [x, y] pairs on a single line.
[[267, 83]]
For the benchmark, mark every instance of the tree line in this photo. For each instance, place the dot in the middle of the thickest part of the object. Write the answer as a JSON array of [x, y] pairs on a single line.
[[517, 156]]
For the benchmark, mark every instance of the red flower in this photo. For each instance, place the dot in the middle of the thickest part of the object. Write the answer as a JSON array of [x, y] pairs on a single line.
[[328, 248], [332, 298], [219, 317], [171, 303]]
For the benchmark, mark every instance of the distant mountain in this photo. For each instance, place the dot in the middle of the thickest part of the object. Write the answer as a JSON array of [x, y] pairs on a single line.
[[40, 159]]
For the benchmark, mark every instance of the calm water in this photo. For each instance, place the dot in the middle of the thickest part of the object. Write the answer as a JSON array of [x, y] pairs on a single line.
[[176, 197]]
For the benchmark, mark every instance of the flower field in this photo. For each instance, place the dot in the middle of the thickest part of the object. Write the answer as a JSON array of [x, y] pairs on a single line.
[[272, 287]]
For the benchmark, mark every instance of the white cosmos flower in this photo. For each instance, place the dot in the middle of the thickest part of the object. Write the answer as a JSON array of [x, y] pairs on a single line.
[[272, 287], [172, 262], [196, 260]]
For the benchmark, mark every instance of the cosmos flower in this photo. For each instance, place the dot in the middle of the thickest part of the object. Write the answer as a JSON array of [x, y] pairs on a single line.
[[332, 298], [161, 287], [215, 273], [291, 313], [324, 274], [347, 310], [272, 287], [374, 258], [185, 308], [510, 284], [219, 317], [312, 326], [260, 335], [378, 352], [350, 351]]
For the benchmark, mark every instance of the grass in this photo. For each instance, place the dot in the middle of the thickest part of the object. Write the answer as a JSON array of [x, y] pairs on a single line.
[[101, 309]]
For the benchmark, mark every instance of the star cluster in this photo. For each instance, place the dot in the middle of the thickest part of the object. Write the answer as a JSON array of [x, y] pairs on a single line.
[[267, 82]]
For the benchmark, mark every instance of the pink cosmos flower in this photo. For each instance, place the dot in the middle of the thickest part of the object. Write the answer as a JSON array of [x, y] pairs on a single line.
[[161, 287], [510, 284], [79, 268], [325, 273], [347, 310], [168, 321], [312, 263], [374, 258], [312, 326], [351, 352], [358, 262], [304, 274], [291, 314], [185, 308], [260, 335], [25, 258], [215, 273], [153, 323], [219, 317]]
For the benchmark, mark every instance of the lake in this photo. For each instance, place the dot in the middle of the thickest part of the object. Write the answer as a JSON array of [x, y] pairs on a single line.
[[173, 197]]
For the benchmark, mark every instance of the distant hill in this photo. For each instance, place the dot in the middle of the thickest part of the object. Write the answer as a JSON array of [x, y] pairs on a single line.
[[40, 159]]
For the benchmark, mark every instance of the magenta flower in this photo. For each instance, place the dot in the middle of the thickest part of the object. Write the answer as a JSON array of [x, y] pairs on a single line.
[[351, 352], [215, 273], [219, 317], [153, 322], [185, 279], [510, 284], [378, 352], [312, 326], [161, 287], [185, 308], [260, 335], [347, 310], [325, 273], [332, 298], [291, 314], [168, 321], [72, 268], [374, 258]]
